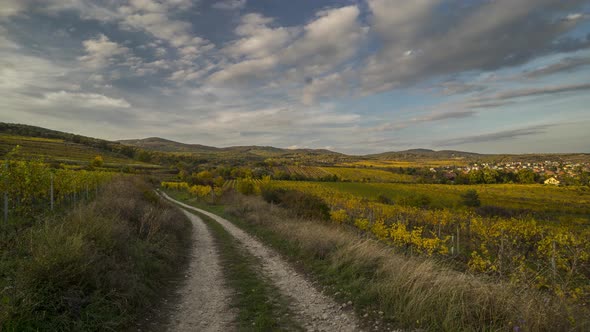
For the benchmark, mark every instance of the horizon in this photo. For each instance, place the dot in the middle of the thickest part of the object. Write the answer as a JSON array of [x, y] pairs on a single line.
[[350, 154], [355, 77]]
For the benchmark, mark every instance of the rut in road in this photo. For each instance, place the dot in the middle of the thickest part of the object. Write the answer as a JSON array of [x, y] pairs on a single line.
[[313, 309], [204, 301]]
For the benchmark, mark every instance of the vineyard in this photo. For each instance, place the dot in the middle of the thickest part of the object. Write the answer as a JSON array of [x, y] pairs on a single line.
[[401, 163], [570, 205], [62, 151], [30, 187], [525, 251], [340, 173]]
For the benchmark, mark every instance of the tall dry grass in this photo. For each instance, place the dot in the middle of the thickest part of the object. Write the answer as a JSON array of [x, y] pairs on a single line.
[[412, 292], [96, 267]]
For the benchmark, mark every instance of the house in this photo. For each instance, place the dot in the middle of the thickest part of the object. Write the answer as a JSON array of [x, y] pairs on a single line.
[[552, 181]]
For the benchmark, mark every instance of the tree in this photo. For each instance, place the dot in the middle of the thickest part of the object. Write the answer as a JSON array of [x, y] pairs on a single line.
[[98, 161], [144, 156], [471, 198], [490, 176], [203, 178], [526, 176]]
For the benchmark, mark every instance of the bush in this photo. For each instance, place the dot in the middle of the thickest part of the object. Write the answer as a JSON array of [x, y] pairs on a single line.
[[246, 187], [272, 195], [470, 198], [381, 198], [303, 205]]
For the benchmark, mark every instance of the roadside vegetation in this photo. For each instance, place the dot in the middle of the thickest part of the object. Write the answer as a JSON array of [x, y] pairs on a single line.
[[96, 266], [368, 262]]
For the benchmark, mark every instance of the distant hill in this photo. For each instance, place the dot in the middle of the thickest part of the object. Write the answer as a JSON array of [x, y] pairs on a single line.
[[164, 145], [419, 154], [67, 147], [61, 147]]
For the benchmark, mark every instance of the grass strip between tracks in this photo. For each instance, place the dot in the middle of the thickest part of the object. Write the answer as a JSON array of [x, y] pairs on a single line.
[[260, 305]]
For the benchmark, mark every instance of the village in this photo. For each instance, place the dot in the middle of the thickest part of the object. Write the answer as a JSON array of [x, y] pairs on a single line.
[[547, 172]]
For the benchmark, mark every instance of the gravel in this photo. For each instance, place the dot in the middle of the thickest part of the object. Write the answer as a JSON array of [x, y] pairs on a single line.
[[204, 300], [314, 310]]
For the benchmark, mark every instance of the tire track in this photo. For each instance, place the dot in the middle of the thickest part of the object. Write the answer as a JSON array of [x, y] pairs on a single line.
[[204, 300], [315, 311]]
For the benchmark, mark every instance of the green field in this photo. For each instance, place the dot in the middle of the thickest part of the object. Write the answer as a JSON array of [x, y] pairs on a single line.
[[557, 203], [349, 174]]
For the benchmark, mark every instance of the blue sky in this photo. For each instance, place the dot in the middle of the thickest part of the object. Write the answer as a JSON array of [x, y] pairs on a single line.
[[366, 76]]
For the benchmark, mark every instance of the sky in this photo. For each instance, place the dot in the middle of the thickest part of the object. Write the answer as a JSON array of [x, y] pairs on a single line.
[[353, 76]]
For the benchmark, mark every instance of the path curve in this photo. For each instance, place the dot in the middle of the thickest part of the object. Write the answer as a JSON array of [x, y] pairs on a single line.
[[204, 300], [315, 311]]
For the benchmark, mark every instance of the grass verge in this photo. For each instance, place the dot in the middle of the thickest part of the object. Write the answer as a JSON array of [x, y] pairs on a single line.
[[98, 267], [389, 287]]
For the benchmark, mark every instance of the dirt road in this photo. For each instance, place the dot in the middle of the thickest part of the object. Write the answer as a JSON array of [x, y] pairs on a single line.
[[315, 311], [204, 300]]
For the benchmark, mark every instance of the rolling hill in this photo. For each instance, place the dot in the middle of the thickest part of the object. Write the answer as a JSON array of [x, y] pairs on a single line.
[[77, 149]]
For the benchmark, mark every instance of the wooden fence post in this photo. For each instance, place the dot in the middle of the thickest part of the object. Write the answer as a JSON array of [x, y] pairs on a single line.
[[51, 192], [6, 207], [6, 196]]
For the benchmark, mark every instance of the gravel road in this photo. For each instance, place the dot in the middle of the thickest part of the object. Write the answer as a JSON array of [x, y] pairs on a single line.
[[204, 300], [314, 310]]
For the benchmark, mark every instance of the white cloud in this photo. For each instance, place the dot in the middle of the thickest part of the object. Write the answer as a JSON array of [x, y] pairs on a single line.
[[229, 4], [327, 41], [83, 100], [329, 86], [332, 38], [101, 52], [574, 17], [258, 40]]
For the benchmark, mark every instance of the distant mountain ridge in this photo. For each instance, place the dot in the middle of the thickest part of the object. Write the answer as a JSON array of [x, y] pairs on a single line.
[[166, 145], [129, 148], [426, 154]]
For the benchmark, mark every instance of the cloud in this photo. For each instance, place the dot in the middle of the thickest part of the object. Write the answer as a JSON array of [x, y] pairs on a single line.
[[567, 64], [445, 116], [432, 117], [229, 4], [258, 39], [83, 100], [327, 86], [245, 72], [101, 52], [538, 91], [294, 55], [11, 8], [482, 37], [333, 37], [496, 136]]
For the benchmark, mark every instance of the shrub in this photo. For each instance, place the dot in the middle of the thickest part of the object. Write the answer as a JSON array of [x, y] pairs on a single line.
[[246, 187], [381, 198], [272, 195], [470, 198]]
